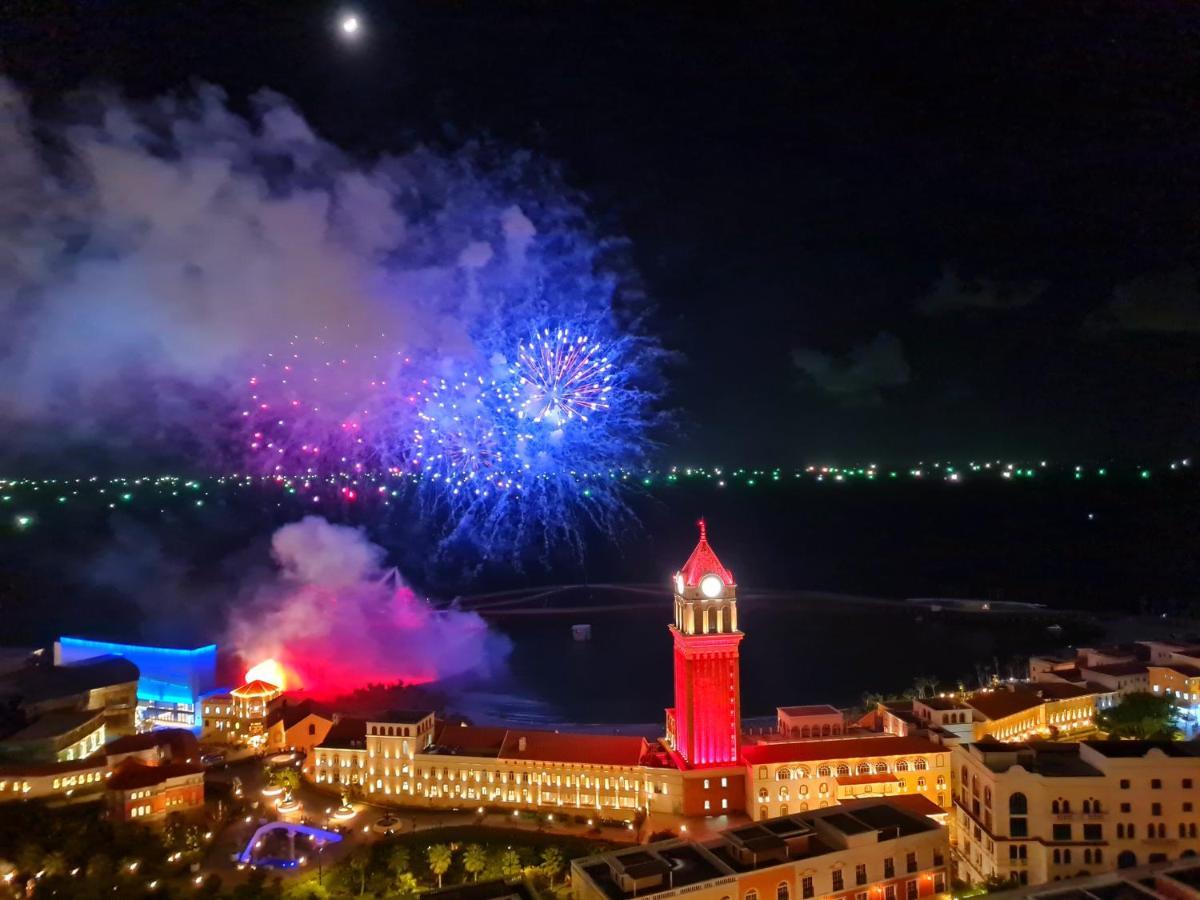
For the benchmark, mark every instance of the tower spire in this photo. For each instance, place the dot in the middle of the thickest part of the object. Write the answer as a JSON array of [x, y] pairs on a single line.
[[703, 531]]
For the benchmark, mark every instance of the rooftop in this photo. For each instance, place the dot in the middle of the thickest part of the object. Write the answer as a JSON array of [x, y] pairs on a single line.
[[346, 733], [1187, 671], [1040, 757], [34, 684], [941, 703], [467, 740], [843, 748], [58, 724], [1135, 749], [180, 743], [1118, 669], [482, 890], [292, 713], [822, 709], [256, 688], [131, 775], [1001, 703], [402, 716], [587, 749], [703, 561]]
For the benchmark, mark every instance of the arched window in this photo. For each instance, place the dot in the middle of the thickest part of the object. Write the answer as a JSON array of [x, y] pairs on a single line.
[[880, 768], [802, 790], [920, 765], [1087, 808], [1054, 807], [864, 768], [823, 789], [1057, 856], [1120, 830], [1066, 806], [1126, 859], [1087, 856], [843, 770], [941, 781], [1192, 829], [1098, 855], [783, 774], [1017, 804], [1130, 831], [1067, 855], [802, 773], [975, 785], [762, 794], [783, 793], [762, 771], [804, 732], [921, 783], [1162, 830], [781, 891], [987, 795], [783, 810], [823, 771], [750, 895], [762, 814], [901, 765]]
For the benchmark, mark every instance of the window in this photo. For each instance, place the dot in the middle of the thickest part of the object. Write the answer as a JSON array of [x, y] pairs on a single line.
[[823, 771], [889, 867], [901, 765], [806, 886], [1126, 807], [1018, 805], [724, 803], [838, 882], [1187, 806], [910, 862], [1187, 784], [1156, 784], [939, 860], [750, 895], [910, 889], [781, 891], [1156, 809], [920, 765], [843, 770], [860, 873], [1018, 827], [889, 892], [881, 768], [706, 784], [1062, 832], [1124, 784], [707, 805], [1093, 832]]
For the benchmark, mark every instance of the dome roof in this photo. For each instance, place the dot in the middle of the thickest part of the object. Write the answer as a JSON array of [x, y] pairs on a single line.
[[703, 561]]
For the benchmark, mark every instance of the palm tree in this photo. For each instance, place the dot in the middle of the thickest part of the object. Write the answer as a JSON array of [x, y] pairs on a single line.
[[398, 861], [474, 860], [510, 863], [358, 862], [440, 856], [552, 863]]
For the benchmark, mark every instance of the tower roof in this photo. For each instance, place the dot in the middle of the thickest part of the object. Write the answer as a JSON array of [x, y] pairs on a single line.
[[703, 561]]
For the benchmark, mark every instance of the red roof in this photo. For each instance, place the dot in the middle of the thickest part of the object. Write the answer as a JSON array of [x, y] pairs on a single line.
[[131, 775], [917, 803], [256, 688], [703, 561], [586, 749], [847, 748]]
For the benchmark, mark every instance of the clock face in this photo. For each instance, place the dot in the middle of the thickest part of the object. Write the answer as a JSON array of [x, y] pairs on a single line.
[[711, 586]]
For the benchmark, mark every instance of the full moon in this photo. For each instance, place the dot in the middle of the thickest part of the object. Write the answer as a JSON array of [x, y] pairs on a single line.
[[350, 25]]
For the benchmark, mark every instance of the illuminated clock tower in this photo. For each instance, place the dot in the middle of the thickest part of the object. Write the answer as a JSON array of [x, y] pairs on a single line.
[[705, 726]]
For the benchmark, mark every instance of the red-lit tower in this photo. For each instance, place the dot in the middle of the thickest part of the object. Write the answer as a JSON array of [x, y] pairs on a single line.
[[705, 726]]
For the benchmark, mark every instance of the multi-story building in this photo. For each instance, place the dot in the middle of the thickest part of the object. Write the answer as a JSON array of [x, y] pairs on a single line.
[[795, 777], [871, 850], [300, 727], [704, 766], [240, 716], [1038, 812], [62, 736], [141, 793], [105, 684], [1017, 712], [171, 683]]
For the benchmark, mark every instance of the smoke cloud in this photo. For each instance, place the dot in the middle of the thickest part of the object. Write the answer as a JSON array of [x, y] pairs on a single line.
[[335, 619], [153, 255]]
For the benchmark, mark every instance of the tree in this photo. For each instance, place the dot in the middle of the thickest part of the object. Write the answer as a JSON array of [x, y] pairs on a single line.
[[552, 863], [1142, 716], [406, 885], [510, 863], [440, 856], [398, 861], [474, 860], [358, 864], [285, 777]]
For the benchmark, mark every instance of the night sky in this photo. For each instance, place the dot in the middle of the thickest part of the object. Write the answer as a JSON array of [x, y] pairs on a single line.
[[869, 230]]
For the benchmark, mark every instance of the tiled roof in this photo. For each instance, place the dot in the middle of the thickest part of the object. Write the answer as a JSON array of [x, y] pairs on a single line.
[[256, 688], [293, 713], [130, 775], [346, 734], [703, 561], [471, 740], [917, 803], [586, 749], [1123, 668], [1181, 668], [1000, 703], [848, 748]]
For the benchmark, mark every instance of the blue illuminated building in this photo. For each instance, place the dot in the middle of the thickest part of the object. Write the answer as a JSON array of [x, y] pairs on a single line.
[[172, 680]]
